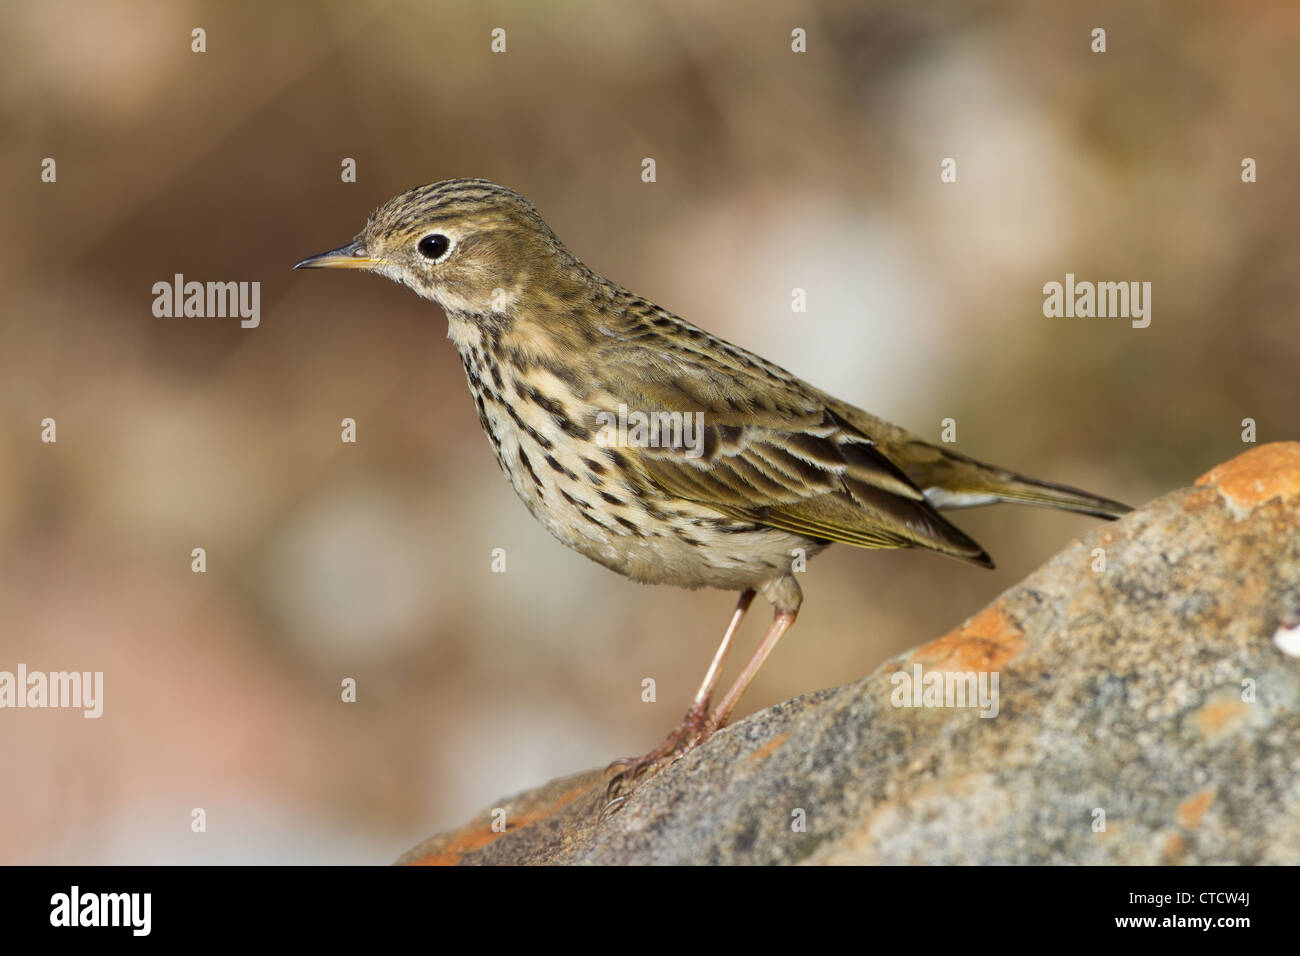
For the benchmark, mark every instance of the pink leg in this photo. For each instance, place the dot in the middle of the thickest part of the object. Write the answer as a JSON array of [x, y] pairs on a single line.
[[694, 727], [780, 624], [705, 692]]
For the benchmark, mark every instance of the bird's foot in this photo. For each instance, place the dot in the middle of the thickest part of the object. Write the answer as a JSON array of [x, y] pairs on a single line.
[[696, 727]]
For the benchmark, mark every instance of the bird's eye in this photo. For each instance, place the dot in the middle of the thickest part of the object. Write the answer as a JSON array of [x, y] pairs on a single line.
[[434, 247]]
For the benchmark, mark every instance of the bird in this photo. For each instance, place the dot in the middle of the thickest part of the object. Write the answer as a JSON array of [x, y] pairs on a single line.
[[656, 448]]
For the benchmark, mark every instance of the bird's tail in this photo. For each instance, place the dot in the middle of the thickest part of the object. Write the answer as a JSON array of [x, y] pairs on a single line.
[[950, 480], [1011, 487]]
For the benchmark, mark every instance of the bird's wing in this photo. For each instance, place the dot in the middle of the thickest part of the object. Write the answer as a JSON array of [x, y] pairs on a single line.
[[768, 450]]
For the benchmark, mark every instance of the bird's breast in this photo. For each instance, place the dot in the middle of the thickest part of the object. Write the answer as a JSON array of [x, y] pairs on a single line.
[[545, 439]]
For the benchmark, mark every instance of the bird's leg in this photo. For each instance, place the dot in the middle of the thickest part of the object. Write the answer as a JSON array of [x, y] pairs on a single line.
[[700, 706], [694, 726], [780, 624]]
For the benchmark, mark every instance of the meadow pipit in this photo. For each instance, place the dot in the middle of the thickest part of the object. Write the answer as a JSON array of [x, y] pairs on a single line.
[[750, 470]]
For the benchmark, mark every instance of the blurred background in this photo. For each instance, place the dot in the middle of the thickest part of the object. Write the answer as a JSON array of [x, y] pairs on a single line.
[[775, 170]]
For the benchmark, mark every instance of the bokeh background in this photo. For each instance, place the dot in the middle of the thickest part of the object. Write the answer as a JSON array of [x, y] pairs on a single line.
[[775, 170]]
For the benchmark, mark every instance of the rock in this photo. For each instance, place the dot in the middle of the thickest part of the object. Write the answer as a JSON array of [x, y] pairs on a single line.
[[1148, 711]]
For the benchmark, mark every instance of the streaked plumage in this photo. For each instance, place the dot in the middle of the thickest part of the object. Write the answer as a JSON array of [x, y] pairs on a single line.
[[547, 345]]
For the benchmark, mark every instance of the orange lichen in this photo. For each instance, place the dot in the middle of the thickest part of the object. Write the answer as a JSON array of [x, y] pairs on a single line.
[[1270, 471], [765, 751], [985, 642], [1175, 846], [478, 835], [1192, 810], [1221, 715]]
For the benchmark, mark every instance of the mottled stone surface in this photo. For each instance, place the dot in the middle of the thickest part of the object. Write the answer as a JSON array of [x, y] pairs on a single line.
[[1156, 692]]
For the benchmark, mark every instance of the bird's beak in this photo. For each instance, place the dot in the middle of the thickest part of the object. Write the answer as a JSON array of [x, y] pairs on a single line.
[[351, 256]]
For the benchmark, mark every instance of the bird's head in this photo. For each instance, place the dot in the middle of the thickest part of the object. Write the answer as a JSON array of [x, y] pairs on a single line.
[[468, 244]]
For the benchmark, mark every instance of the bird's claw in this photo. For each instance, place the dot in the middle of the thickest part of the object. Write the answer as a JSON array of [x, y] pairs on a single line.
[[695, 728]]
